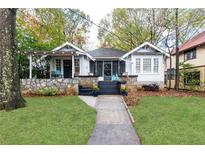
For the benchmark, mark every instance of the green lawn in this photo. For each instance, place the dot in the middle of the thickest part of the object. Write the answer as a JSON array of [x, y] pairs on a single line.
[[170, 120], [48, 120]]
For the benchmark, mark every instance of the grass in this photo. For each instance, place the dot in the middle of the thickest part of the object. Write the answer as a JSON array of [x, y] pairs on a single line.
[[170, 120], [48, 120]]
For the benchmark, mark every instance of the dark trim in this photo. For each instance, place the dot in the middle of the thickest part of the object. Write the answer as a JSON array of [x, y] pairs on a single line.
[[190, 50], [50, 53], [85, 76], [128, 76], [193, 67]]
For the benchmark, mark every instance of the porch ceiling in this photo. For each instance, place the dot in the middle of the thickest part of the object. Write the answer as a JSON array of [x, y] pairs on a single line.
[[53, 53]]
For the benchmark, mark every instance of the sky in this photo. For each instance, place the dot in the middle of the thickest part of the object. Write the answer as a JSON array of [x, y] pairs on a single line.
[[96, 14]]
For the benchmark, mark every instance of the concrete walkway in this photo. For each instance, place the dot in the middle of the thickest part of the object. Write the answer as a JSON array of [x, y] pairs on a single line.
[[89, 100], [113, 124]]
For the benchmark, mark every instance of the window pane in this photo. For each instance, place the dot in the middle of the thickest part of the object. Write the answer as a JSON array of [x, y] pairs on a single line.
[[99, 68], [77, 66], [138, 63], [147, 65], [92, 66], [58, 64], [191, 54], [156, 65], [122, 67], [115, 67]]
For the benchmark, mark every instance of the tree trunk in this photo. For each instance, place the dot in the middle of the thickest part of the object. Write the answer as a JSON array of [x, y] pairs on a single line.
[[10, 95], [170, 67], [177, 53]]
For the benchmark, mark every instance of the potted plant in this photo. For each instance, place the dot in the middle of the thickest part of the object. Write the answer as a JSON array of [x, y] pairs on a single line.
[[123, 91], [95, 91]]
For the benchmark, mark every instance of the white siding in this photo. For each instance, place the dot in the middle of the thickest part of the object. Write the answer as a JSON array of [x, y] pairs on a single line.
[[128, 65], [84, 65]]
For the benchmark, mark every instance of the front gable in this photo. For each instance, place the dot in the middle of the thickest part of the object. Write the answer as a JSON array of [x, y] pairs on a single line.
[[145, 49], [68, 47]]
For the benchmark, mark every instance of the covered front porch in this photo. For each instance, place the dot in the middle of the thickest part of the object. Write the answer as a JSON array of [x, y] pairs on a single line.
[[107, 69], [62, 65], [66, 61]]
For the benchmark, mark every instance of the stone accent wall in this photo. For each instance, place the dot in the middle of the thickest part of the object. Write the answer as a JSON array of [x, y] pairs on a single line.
[[63, 85], [88, 81], [131, 81]]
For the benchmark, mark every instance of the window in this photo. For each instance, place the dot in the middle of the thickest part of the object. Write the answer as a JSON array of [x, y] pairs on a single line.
[[99, 68], [122, 67], [77, 66], [138, 65], [92, 67], [171, 74], [192, 78], [156, 65], [190, 54], [115, 67], [58, 65], [147, 65]]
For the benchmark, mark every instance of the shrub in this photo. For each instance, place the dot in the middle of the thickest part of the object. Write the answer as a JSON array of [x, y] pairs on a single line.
[[150, 87], [95, 88], [47, 91], [71, 91], [123, 89]]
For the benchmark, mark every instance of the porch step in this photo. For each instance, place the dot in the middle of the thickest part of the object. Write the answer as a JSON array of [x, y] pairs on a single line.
[[109, 87], [85, 91]]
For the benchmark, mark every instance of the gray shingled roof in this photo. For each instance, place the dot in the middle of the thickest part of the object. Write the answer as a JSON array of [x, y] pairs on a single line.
[[106, 52]]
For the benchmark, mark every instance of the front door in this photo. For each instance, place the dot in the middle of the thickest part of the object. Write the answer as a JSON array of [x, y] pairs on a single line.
[[67, 68], [107, 70]]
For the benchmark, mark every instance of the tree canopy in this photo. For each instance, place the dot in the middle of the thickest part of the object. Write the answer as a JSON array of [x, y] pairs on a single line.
[[132, 27], [44, 29]]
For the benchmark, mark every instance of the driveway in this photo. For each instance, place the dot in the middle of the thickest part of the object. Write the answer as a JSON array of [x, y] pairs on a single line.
[[113, 125]]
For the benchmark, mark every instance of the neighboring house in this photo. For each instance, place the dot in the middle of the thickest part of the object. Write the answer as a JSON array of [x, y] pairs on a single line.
[[192, 52], [145, 61]]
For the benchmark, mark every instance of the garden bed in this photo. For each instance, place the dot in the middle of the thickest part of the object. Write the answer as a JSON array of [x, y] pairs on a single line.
[[134, 96]]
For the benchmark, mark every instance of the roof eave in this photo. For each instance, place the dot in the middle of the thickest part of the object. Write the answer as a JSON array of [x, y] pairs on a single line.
[[146, 43]]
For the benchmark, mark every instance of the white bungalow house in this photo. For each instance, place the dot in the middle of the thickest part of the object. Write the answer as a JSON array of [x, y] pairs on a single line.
[[145, 61]]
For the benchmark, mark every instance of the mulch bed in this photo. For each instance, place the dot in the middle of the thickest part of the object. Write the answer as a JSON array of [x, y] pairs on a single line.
[[166, 92], [134, 97], [38, 95]]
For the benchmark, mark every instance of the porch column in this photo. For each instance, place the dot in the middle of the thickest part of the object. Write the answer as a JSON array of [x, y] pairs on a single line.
[[73, 66], [50, 63], [118, 66], [30, 66]]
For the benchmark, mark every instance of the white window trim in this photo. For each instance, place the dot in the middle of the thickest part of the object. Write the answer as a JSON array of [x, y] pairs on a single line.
[[143, 65], [152, 66], [76, 66], [136, 65]]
